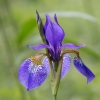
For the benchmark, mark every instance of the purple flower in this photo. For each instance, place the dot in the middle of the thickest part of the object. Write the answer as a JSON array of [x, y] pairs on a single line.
[[54, 36], [32, 74]]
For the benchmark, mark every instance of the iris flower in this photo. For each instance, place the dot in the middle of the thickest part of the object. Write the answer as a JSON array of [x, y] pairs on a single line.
[[33, 71]]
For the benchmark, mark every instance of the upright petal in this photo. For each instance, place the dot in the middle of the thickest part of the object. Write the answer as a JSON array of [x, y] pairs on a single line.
[[47, 21], [65, 66], [54, 34], [55, 18], [38, 47], [83, 69], [72, 46], [31, 75]]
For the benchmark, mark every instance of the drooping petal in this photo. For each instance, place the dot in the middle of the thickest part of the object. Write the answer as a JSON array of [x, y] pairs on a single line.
[[72, 46], [65, 65], [46, 64], [30, 75], [83, 69], [54, 34], [38, 47]]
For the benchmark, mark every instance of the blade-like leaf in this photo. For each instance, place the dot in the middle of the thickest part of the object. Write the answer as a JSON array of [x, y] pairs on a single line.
[[26, 30]]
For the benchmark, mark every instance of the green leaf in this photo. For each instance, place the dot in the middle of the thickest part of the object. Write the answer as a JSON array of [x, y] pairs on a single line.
[[26, 30]]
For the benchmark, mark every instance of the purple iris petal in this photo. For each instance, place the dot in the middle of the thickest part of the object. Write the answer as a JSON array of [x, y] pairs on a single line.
[[54, 34], [83, 69], [71, 46], [65, 65], [47, 21], [31, 75], [46, 64], [55, 18], [38, 47]]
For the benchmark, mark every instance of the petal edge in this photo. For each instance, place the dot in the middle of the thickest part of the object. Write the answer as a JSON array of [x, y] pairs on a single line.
[[38, 47], [72, 46]]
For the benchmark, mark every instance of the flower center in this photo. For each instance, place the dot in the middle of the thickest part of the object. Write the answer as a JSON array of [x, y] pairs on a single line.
[[35, 60], [35, 65], [33, 68]]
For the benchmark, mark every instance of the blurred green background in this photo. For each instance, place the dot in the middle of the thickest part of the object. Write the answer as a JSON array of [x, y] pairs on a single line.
[[81, 21]]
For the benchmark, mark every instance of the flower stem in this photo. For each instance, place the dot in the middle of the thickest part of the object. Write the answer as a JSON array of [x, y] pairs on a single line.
[[55, 77], [52, 74], [54, 97], [58, 76]]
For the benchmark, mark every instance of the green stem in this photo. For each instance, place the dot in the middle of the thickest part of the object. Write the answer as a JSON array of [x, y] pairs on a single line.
[[55, 76], [54, 97], [52, 74], [58, 75], [55, 66]]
